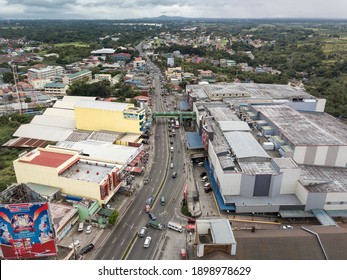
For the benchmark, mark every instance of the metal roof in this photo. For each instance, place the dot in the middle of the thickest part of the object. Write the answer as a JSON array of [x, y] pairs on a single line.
[[54, 121], [43, 132], [244, 145], [234, 126], [59, 112], [221, 232], [102, 105], [55, 85], [297, 128], [71, 76], [104, 51], [103, 150]]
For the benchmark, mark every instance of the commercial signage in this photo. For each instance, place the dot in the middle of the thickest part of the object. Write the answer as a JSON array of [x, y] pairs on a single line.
[[26, 231]]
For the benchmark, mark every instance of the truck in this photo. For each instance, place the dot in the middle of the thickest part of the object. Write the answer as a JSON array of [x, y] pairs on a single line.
[[155, 224]]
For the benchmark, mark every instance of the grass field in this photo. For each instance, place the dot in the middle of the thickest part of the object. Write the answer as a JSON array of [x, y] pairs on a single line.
[[76, 44]]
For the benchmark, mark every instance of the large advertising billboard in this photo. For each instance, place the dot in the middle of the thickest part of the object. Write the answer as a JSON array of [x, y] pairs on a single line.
[[26, 231]]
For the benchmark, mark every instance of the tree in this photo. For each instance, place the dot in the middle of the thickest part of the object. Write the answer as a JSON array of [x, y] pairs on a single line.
[[112, 219]]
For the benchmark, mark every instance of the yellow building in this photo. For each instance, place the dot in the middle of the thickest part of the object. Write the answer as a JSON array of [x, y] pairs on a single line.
[[69, 171], [112, 116]]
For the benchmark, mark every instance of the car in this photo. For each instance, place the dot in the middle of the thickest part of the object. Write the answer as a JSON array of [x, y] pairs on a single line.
[[89, 229], [152, 216], [171, 165], [147, 241], [147, 180], [86, 249], [287, 227], [142, 232], [171, 141], [174, 174], [203, 174], [76, 243]]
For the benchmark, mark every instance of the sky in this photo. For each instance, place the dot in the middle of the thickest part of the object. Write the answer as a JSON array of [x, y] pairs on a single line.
[[126, 9]]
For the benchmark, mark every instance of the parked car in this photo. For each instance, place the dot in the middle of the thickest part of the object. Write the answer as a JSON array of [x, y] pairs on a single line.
[[152, 216], [76, 243], [287, 227], [203, 174], [86, 249], [89, 229], [174, 174], [171, 165]]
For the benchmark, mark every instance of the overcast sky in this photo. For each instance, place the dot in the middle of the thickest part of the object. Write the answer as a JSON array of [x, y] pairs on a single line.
[[123, 9]]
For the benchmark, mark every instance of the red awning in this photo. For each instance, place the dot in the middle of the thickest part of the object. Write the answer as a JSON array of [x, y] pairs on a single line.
[[137, 159]]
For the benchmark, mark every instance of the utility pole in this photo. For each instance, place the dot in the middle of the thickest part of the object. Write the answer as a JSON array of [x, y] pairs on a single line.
[[16, 81]]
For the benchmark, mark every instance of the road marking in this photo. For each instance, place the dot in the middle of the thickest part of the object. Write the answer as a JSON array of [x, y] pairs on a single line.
[[122, 242], [140, 212], [123, 225], [114, 240], [132, 226], [133, 212]]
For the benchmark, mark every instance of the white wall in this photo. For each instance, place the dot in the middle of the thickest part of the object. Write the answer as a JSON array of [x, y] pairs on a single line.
[[320, 104], [321, 155], [301, 193], [336, 198], [299, 154], [289, 180], [341, 160]]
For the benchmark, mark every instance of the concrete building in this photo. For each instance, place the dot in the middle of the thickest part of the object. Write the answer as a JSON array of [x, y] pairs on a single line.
[[174, 74], [309, 141], [272, 158], [56, 88], [72, 173], [39, 83], [45, 73], [112, 116], [103, 53], [139, 62], [251, 93], [84, 74], [214, 235], [103, 77]]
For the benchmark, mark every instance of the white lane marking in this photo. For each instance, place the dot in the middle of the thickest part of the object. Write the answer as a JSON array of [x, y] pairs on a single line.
[[140, 212], [114, 240], [133, 212], [122, 242]]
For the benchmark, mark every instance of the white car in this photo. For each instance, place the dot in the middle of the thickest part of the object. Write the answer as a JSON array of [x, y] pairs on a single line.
[[287, 227], [89, 229], [171, 165], [76, 243], [147, 242]]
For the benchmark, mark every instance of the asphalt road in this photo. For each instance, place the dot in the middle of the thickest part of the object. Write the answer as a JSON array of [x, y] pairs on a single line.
[[122, 235]]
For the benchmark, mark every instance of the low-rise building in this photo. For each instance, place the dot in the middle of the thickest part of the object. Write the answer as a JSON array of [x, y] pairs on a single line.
[[84, 74], [56, 88]]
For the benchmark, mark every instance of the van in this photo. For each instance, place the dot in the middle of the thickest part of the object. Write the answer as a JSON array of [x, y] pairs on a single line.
[[162, 200], [207, 185], [174, 226], [200, 163], [203, 179], [80, 226]]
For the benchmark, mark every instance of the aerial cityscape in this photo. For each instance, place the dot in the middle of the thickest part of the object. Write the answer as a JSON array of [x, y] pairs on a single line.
[[133, 134]]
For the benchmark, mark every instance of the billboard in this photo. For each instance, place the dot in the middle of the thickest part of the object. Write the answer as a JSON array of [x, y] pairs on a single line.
[[26, 231]]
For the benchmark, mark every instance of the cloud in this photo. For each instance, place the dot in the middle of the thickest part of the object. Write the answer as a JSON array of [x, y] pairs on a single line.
[[122, 9]]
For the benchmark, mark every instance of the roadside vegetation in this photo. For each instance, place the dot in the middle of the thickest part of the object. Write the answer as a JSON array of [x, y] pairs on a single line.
[[8, 125]]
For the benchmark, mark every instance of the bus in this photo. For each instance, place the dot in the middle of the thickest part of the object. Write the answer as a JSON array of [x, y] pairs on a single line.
[[177, 124], [174, 226]]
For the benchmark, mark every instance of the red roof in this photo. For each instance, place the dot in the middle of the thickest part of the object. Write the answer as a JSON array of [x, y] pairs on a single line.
[[49, 159]]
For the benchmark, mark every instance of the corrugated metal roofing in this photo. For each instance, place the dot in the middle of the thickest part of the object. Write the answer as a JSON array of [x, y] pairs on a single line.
[[244, 145], [221, 232], [102, 105], [58, 112], [54, 121], [103, 151], [43, 132], [233, 126], [79, 73]]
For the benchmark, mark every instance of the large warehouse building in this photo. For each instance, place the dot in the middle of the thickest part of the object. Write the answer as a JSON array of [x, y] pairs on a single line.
[[100, 115], [271, 148]]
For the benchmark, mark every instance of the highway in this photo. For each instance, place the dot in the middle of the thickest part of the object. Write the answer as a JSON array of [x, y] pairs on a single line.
[[121, 237]]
